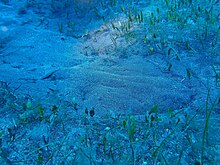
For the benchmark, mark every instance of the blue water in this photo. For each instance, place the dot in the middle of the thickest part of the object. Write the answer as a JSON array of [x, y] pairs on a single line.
[[109, 82]]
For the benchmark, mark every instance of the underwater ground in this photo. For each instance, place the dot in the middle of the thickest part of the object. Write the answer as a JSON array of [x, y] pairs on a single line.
[[110, 82]]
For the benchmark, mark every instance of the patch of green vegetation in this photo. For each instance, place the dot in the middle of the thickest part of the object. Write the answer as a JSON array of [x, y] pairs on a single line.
[[69, 133]]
